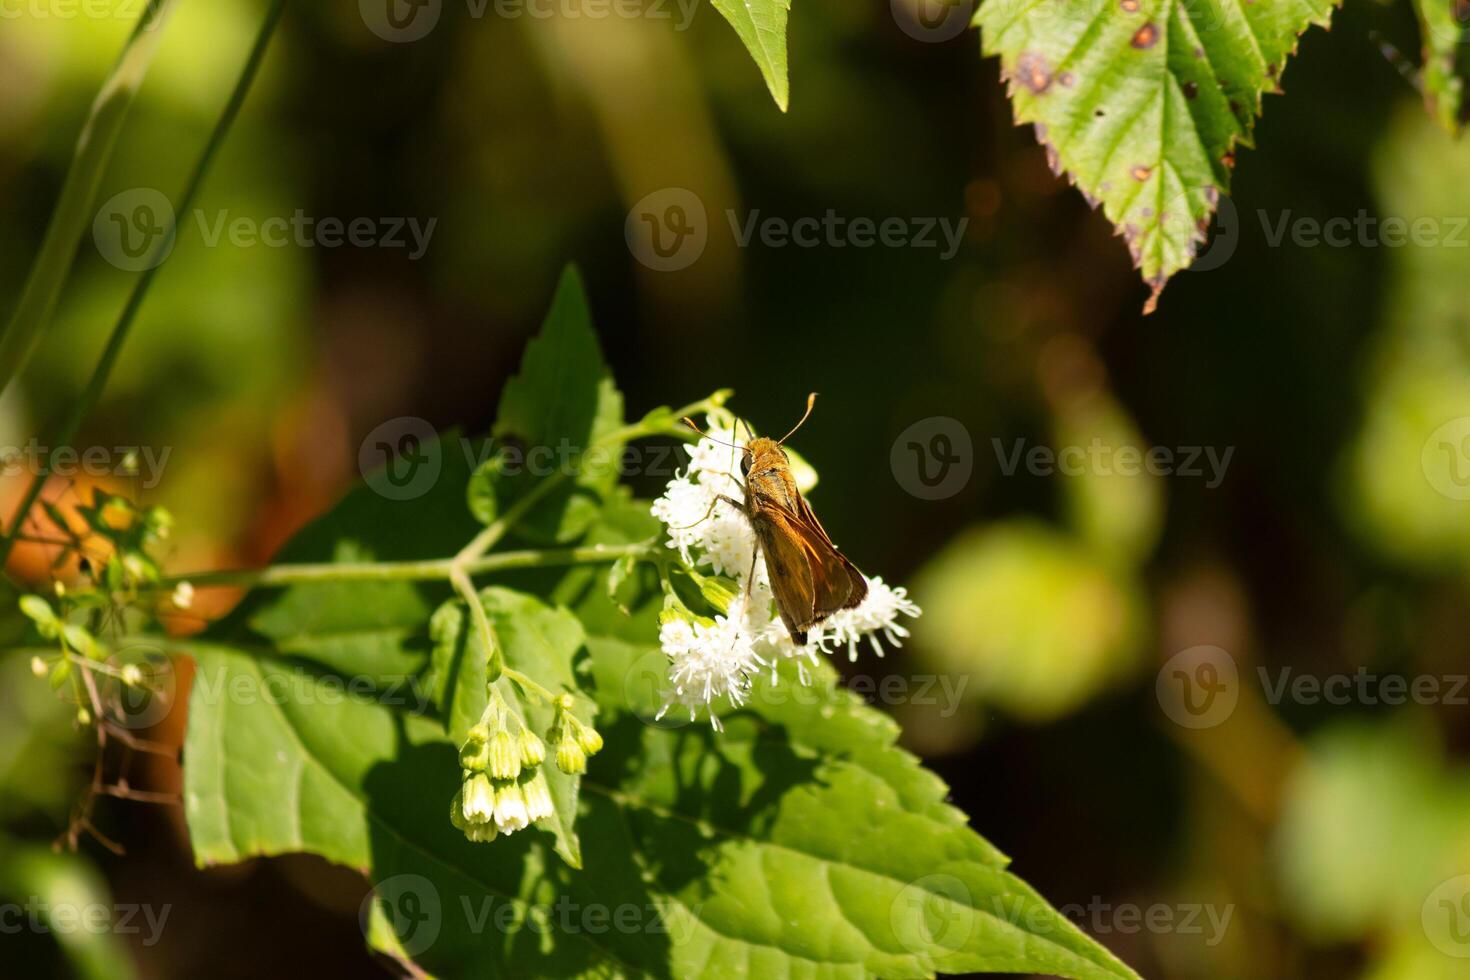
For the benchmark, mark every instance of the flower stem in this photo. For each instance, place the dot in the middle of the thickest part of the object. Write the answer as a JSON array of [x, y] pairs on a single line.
[[440, 569], [526, 683], [460, 579]]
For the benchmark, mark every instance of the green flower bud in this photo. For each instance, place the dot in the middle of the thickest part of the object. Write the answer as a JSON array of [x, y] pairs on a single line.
[[482, 832], [533, 750], [589, 739], [505, 756], [570, 757], [456, 811], [131, 675], [38, 667], [538, 797]]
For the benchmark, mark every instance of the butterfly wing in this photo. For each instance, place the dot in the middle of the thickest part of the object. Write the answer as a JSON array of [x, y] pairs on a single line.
[[810, 578], [843, 572]]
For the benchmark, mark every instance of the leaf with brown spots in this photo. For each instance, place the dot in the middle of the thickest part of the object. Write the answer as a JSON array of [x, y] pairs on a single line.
[[1158, 94]]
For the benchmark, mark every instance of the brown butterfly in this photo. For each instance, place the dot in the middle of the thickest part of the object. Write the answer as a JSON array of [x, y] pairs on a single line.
[[810, 578]]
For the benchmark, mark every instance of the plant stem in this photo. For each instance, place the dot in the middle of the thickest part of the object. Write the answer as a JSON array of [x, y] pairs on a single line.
[[71, 217], [529, 684], [497, 528], [89, 398], [439, 569]]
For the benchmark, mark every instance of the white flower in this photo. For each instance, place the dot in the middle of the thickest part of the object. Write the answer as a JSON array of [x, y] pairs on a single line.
[[183, 596], [479, 801], [510, 809], [538, 797], [708, 662], [877, 613]]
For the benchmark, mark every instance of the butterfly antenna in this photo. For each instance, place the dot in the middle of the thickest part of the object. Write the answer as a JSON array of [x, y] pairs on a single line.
[[810, 401], [690, 422]]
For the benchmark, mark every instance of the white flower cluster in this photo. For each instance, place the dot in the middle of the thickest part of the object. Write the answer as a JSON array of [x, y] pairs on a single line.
[[708, 662]]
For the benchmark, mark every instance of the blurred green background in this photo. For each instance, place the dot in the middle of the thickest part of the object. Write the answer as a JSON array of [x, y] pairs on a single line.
[[1336, 542]]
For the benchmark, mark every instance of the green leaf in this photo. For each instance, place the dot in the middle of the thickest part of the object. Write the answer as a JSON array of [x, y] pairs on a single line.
[[1445, 32], [1142, 102], [799, 840], [561, 412], [803, 839], [761, 25]]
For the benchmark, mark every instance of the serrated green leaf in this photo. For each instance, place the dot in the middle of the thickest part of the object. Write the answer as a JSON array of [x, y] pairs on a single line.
[[561, 405], [761, 25], [1445, 27], [1142, 102]]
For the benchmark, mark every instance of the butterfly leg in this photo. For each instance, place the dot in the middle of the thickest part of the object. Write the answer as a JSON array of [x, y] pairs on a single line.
[[710, 510]]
